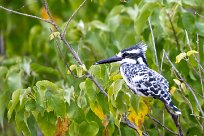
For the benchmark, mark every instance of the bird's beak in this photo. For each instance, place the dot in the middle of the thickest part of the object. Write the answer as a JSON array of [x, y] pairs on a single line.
[[109, 60]]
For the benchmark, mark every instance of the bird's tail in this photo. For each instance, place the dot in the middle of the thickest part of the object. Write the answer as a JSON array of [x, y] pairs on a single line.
[[174, 108]]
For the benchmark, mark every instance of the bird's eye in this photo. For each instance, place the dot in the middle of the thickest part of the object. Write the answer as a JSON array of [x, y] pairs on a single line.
[[125, 54]]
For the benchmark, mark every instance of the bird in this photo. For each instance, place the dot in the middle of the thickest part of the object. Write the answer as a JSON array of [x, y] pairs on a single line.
[[140, 79]]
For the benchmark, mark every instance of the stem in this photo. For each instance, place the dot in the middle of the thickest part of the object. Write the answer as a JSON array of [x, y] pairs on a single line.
[[70, 18], [174, 31], [153, 42], [27, 15]]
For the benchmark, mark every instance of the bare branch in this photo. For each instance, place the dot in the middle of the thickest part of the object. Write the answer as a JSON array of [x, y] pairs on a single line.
[[197, 116], [199, 70], [196, 13], [153, 42], [155, 120], [70, 18], [189, 45], [27, 15], [49, 14], [131, 125]]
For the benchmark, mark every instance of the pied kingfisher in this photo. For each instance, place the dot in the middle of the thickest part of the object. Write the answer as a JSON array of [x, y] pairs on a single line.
[[139, 77]]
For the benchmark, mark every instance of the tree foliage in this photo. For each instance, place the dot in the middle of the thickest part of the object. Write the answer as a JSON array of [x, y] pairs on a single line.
[[44, 90]]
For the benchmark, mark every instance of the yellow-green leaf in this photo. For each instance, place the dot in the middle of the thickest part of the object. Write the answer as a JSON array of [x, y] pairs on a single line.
[[72, 67], [183, 86], [189, 53], [177, 82], [53, 35], [180, 57], [173, 89], [115, 77], [98, 111], [138, 117], [79, 69]]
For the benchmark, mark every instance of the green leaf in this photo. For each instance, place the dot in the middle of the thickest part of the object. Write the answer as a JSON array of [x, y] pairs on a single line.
[[91, 90], [99, 25], [117, 86], [81, 101], [74, 129], [3, 72], [199, 28], [43, 69], [56, 103], [13, 102], [46, 123], [135, 102], [144, 12], [50, 97], [14, 80], [26, 65], [11, 61], [75, 113], [21, 122], [88, 129], [188, 21], [19, 99], [121, 103], [69, 92], [23, 98], [4, 100]]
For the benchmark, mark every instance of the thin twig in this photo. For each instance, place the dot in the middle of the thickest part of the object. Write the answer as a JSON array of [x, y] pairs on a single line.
[[184, 81], [70, 18], [162, 61], [27, 15], [153, 42], [49, 14], [174, 31], [189, 45], [197, 116], [157, 128], [196, 13], [199, 70], [155, 120], [131, 125], [62, 57]]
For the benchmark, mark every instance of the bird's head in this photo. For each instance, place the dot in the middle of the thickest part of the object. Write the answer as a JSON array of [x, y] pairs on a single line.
[[134, 55]]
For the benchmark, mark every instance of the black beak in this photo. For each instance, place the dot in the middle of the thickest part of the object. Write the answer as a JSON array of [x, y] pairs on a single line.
[[109, 60]]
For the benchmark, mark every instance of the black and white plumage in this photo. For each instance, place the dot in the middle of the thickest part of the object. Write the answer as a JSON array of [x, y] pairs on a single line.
[[139, 77]]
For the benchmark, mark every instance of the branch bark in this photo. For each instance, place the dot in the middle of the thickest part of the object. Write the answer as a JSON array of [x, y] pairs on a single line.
[[27, 15], [153, 42], [70, 18]]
